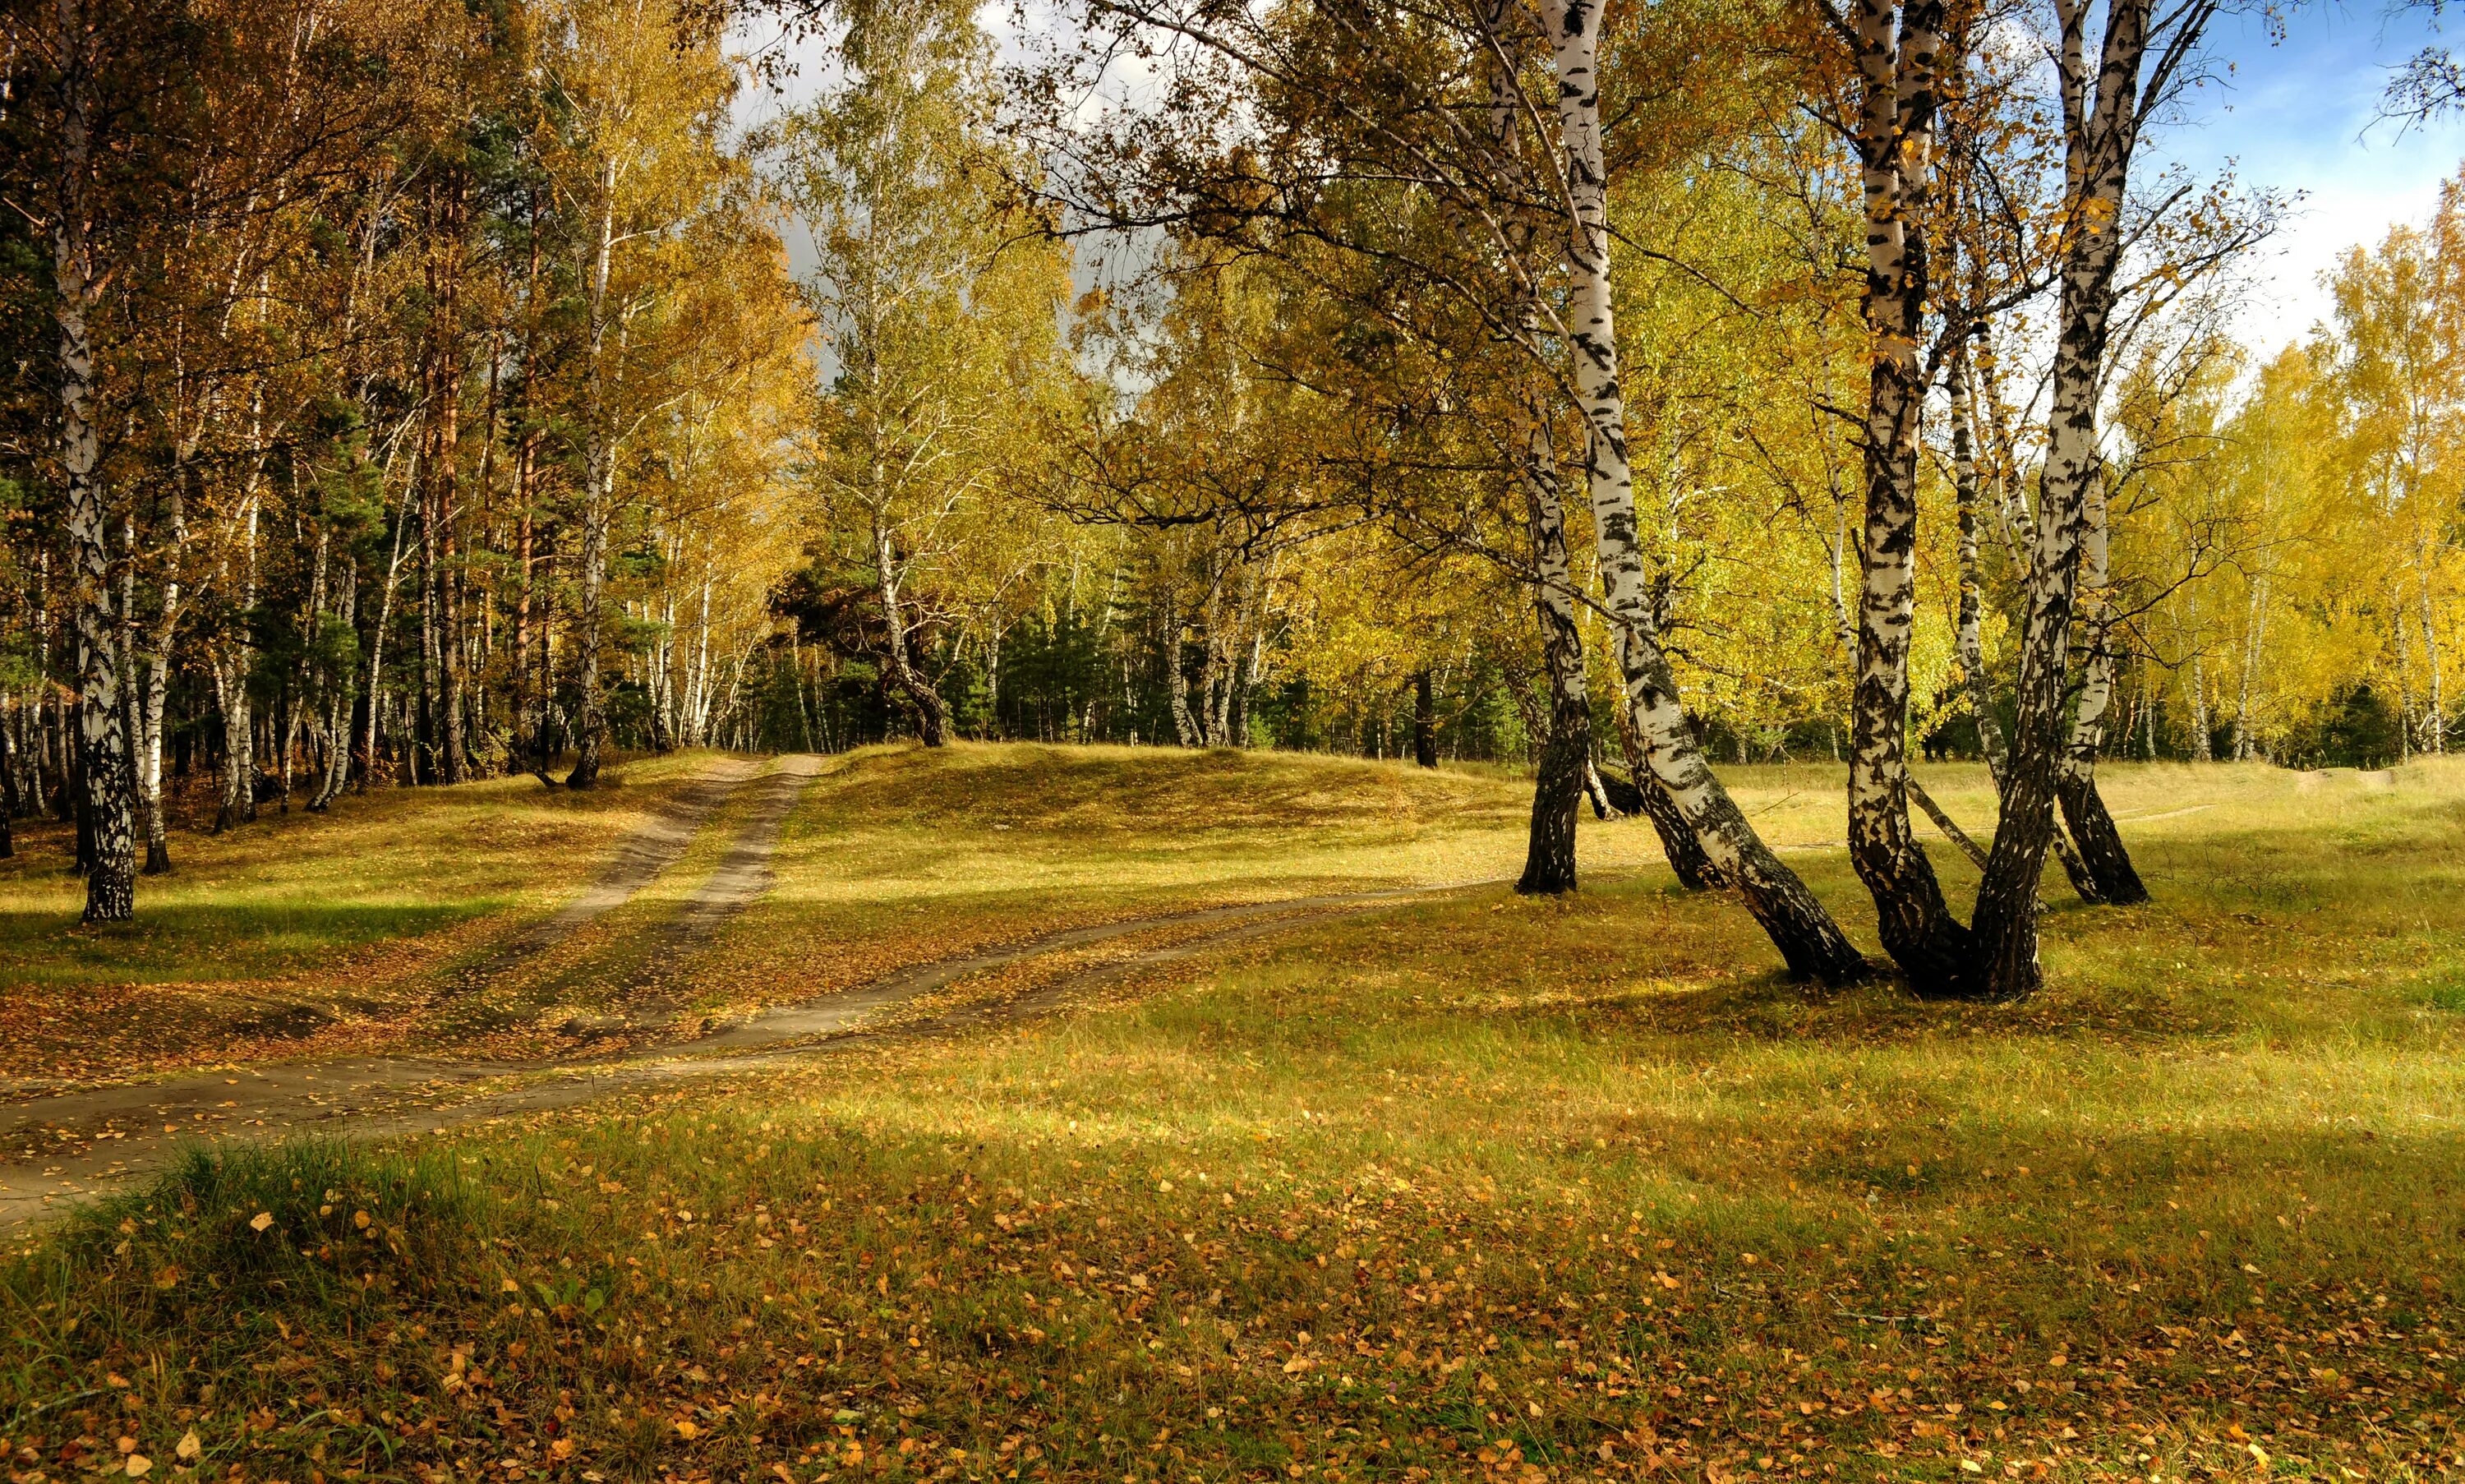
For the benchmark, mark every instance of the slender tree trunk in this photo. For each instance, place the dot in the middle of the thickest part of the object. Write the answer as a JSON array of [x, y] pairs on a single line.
[[111, 875], [1898, 66], [1809, 941], [131, 703], [2100, 113], [1176, 684], [339, 704], [932, 715], [1566, 757], [376, 646], [1968, 646], [2245, 734], [444, 467], [521, 742], [8, 784], [2435, 716], [2203, 724], [158, 679], [599, 478], [1425, 719], [2091, 825]]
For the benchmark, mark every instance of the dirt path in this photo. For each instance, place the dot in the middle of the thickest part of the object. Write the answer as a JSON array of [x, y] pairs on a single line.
[[744, 873], [62, 1149], [640, 857]]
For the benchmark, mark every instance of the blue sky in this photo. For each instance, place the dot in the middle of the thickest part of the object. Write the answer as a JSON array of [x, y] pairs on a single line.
[[2302, 115]]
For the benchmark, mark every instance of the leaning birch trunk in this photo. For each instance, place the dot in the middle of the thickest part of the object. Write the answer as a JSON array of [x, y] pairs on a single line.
[[1968, 646], [1809, 940], [1694, 870], [1897, 64], [2101, 115], [2091, 825], [932, 717], [111, 865]]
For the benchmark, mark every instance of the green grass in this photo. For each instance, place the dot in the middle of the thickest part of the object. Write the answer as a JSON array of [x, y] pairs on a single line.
[[353, 914], [1474, 1187]]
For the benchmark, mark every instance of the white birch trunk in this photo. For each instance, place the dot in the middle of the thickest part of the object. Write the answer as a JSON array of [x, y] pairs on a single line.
[[111, 874], [599, 479], [1808, 938], [2101, 128]]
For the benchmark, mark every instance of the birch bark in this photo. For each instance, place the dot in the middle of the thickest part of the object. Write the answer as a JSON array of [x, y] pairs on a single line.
[[2084, 812], [932, 717], [1968, 646], [1899, 57], [598, 478], [1566, 757], [1809, 940], [1562, 754], [2101, 114], [78, 280]]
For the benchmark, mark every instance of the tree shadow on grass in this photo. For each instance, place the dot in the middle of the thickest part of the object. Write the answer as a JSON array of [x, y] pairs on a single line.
[[177, 941]]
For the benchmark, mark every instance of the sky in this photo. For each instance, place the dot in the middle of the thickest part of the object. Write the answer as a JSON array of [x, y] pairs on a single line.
[[2302, 115]]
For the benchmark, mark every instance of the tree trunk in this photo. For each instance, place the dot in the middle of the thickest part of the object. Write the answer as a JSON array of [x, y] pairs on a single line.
[[111, 875], [1809, 940], [1425, 719], [599, 481], [240, 757], [2203, 747], [376, 648], [1565, 758], [2244, 735], [1968, 646], [2101, 842], [336, 770], [932, 715], [158, 679], [2101, 115], [7, 787], [1897, 66], [2434, 716]]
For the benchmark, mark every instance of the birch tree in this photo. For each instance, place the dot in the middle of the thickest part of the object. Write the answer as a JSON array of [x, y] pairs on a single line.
[[2104, 99], [633, 146], [1811, 942], [939, 301]]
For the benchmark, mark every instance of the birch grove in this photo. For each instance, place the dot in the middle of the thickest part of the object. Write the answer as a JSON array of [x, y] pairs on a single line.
[[458, 393]]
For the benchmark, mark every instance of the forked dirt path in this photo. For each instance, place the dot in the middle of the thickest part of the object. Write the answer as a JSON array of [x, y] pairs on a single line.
[[93, 1146]]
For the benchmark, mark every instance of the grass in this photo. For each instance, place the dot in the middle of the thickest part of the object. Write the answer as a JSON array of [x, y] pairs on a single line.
[[1470, 1188], [301, 932]]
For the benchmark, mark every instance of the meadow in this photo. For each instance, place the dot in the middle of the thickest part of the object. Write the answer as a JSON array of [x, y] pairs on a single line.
[[1453, 1185]]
